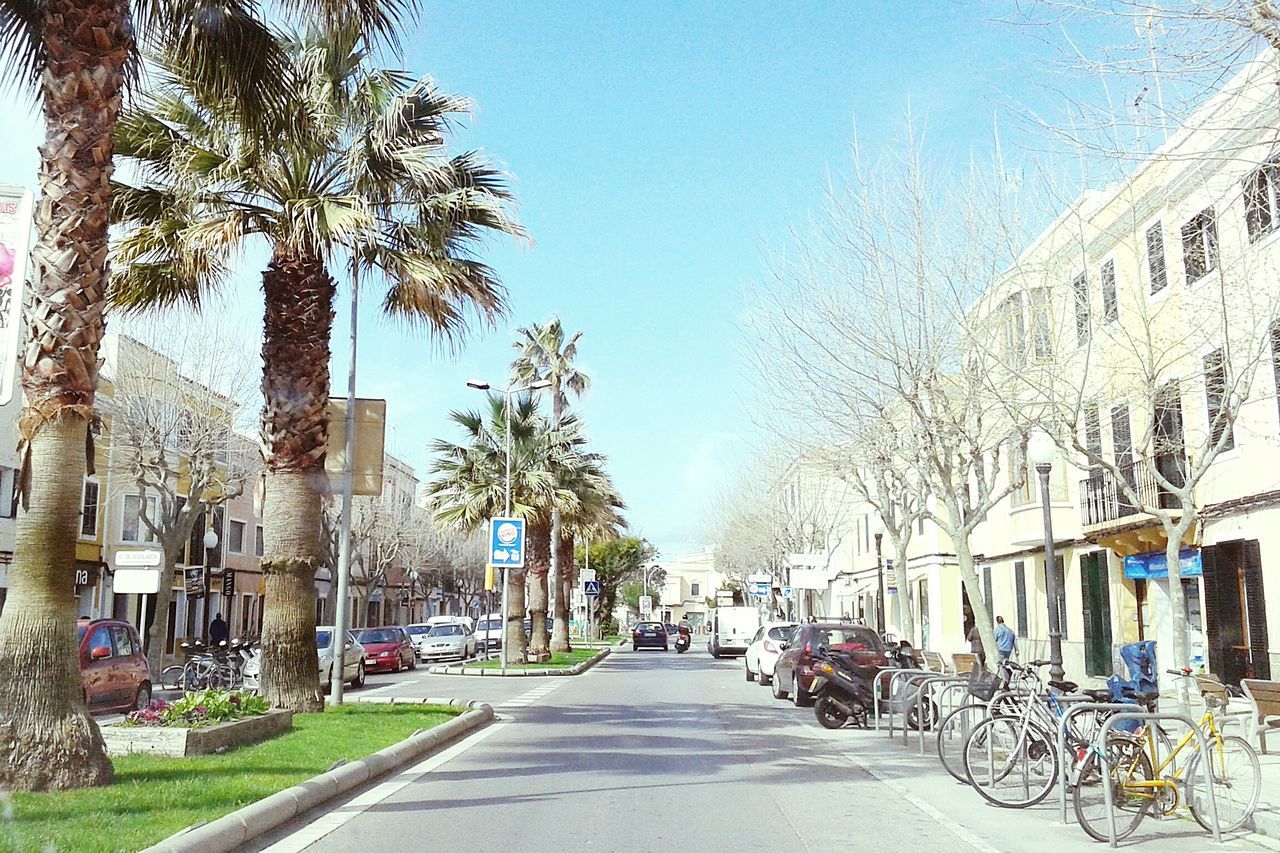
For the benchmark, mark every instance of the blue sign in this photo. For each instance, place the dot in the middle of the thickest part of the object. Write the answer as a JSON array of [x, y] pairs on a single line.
[[1153, 565], [591, 588], [506, 543], [760, 588]]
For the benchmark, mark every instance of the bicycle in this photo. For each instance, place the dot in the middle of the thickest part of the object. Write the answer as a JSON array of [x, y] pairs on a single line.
[[989, 698], [1142, 783]]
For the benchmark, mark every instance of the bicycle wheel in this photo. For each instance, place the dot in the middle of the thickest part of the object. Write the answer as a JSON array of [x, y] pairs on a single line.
[[1237, 781], [171, 676], [1130, 802], [1011, 762], [952, 732]]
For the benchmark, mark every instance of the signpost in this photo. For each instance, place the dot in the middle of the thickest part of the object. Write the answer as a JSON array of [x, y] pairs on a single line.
[[646, 605], [141, 580], [591, 589]]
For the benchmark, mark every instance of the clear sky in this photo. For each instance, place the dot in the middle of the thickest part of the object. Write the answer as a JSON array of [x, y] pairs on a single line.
[[657, 147]]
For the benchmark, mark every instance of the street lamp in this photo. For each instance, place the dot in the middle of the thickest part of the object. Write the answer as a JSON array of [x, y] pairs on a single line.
[[1041, 451], [210, 542], [507, 393], [879, 587]]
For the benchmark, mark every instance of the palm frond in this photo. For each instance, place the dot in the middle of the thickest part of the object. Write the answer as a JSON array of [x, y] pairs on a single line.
[[25, 52]]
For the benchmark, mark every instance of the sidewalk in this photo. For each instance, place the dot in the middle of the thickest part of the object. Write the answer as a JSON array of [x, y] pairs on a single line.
[[1266, 820]]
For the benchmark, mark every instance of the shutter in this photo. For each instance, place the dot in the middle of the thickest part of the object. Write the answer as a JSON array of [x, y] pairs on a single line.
[[1257, 604], [1213, 634], [1020, 581]]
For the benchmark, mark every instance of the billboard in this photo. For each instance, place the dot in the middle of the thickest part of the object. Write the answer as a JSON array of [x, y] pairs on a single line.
[[371, 419], [15, 240]]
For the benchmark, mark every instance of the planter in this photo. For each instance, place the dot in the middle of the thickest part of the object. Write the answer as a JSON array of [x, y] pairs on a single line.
[[180, 743]]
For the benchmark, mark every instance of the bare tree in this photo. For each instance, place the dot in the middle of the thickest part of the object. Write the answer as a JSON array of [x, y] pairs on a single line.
[[172, 424]]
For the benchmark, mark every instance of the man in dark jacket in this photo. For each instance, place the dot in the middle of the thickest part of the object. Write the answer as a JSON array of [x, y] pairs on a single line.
[[218, 631]]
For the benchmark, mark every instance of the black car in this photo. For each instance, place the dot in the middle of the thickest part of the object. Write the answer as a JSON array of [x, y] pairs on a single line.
[[652, 635]]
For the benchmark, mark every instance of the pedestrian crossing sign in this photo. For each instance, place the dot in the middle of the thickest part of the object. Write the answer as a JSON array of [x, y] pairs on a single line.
[[591, 588]]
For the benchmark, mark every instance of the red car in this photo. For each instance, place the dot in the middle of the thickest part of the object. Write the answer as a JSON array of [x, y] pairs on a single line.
[[387, 649], [113, 670], [792, 673]]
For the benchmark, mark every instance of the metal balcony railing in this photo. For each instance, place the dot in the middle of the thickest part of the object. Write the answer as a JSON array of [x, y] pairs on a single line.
[[1103, 499]]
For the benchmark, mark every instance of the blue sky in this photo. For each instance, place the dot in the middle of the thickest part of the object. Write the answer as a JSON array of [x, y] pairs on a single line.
[[657, 147]]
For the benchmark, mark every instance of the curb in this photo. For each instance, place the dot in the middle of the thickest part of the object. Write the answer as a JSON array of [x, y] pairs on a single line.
[[576, 669], [245, 824]]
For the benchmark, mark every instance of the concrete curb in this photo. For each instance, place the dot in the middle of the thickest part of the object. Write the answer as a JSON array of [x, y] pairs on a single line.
[[577, 669], [243, 825]]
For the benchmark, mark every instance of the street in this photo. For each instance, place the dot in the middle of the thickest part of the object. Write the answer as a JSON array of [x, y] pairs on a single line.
[[652, 750]]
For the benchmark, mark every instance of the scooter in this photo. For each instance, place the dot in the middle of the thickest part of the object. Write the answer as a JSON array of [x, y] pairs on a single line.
[[683, 641], [842, 689]]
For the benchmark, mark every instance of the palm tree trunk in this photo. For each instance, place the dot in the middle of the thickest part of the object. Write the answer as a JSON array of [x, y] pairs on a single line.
[[295, 389], [47, 739], [564, 592], [539, 568], [515, 642]]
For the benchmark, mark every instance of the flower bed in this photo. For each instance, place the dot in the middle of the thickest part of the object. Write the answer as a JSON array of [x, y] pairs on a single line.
[[199, 708], [199, 723]]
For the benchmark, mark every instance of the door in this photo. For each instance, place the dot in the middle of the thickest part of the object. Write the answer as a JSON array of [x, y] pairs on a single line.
[[923, 597], [1097, 613], [1235, 611], [97, 673]]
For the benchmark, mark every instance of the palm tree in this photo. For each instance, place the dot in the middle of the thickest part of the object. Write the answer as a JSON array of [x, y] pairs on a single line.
[[597, 515], [543, 353], [76, 57], [469, 486], [362, 172]]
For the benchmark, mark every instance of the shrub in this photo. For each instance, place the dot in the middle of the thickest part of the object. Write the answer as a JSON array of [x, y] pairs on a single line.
[[199, 708]]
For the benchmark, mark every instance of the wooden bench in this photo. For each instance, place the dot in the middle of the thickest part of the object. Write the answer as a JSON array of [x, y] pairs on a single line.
[[934, 662], [964, 663], [1264, 707]]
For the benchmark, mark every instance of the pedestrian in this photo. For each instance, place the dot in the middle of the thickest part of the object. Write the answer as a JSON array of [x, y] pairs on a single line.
[[218, 631], [1006, 642], [975, 646]]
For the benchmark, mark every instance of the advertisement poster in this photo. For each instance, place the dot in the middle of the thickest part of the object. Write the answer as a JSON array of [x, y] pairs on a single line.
[[15, 238]]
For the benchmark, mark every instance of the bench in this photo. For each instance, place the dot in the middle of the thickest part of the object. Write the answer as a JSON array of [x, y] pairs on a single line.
[[964, 663], [934, 662], [1264, 707]]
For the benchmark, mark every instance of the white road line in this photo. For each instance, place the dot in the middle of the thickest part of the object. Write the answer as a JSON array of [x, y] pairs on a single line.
[[327, 823]]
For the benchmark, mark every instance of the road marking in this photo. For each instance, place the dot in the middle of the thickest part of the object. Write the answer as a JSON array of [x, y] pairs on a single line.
[[327, 823], [529, 697]]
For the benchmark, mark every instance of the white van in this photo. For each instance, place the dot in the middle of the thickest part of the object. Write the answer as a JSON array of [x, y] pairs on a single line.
[[732, 629], [453, 620]]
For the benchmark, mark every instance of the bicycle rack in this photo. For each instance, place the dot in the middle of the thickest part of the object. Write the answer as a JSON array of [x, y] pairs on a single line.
[[893, 676], [1063, 771], [925, 691], [1108, 797]]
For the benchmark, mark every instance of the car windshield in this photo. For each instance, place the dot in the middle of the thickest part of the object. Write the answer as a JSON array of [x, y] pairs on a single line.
[[323, 639], [418, 630], [379, 635], [491, 625], [779, 633], [447, 631], [651, 626]]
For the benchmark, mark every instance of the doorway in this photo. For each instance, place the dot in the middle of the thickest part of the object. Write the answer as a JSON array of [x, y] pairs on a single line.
[[1096, 593], [1235, 610]]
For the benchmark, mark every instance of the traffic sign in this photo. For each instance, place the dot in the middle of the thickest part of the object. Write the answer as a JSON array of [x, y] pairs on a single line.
[[506, 543], [588, 574], [646, 605], [760, 588], [788, 592], [591, 588]]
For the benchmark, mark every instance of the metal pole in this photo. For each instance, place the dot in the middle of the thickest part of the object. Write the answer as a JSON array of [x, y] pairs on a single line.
[[506, 573], [340, 615], [879, 587], [1056, 672]]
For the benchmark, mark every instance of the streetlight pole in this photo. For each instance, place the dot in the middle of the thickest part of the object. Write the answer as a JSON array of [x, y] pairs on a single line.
[[342, 582], [879, 586], [1040, 452], [506, 417]]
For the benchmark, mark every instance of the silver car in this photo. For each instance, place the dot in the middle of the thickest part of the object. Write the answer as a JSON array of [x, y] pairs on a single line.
[[447, 642], [352, 671]]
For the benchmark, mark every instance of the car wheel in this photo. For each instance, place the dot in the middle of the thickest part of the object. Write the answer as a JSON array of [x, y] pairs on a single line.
[[634, 647], [143, 698], [358, 681], [413, 663], [801, 697], [751, 676], [778, 692], [765, 680]]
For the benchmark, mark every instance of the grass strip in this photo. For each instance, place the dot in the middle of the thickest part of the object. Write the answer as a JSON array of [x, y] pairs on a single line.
[[154, 797], [559, 660]]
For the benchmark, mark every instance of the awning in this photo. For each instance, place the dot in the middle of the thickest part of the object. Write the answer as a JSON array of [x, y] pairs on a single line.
[[1154, 565]]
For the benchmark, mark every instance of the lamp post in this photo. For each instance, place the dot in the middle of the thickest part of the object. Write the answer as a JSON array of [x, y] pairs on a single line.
[[210, 541], [506, 417], [879, 587], [1041, 451]]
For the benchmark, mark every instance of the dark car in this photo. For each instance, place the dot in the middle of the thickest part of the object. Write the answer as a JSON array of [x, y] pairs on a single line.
[[792, 674], [388, 649], [650, 635], [113, 670]]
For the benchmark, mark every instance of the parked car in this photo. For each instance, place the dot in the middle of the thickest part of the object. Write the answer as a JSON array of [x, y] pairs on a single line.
[[528, 625], [732, 629], [113, 670], [763, 652], [448, 641], [650, 635], [792, 673], [388, 649], [352, 660], [448, 620], [489, 632], [417, 633]]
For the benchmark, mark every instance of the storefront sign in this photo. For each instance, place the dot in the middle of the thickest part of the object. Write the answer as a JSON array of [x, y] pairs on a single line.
[[1153, 565], [195, 582], [228, 582]]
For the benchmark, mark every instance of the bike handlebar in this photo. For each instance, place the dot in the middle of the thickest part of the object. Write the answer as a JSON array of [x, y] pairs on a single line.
[[1181, 673]]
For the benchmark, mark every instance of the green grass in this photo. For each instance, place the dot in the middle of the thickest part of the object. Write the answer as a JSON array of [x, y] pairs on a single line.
[[154, 797], [559, 660]]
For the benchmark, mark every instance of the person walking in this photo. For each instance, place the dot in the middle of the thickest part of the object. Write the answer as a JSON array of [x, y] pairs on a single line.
[[1006, 641], [218, 631], [975, 646]]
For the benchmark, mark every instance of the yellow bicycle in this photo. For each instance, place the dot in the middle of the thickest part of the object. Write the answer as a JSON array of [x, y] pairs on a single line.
[[1145, 783]]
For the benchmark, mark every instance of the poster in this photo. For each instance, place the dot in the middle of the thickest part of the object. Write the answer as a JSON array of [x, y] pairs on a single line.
[[15, 239]]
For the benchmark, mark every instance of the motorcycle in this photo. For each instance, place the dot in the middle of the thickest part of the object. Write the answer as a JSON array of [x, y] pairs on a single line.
[[842, 689], [683, 640]]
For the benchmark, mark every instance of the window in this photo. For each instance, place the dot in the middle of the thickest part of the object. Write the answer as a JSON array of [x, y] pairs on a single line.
[[8, 492], [986, 591], [235, 537], [89, 509], [1121, 437], [1155, 258], [1081, 288], [920, 525], [124, 641], [1200, 245], [1275, 357], [1061, 569], [100, 638], [1020, 588], [1018, 468], [132, 528], [1015, 330], [1093, 437], [1215, 396], [1041, 336], [1261, 215], [258, 544], [1110, 305], [694, 589]]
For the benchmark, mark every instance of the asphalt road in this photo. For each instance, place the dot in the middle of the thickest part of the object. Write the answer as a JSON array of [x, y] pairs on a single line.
[[650, 751]]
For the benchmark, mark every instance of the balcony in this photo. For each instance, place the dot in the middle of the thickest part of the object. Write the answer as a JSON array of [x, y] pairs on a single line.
[[1104, 505]]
